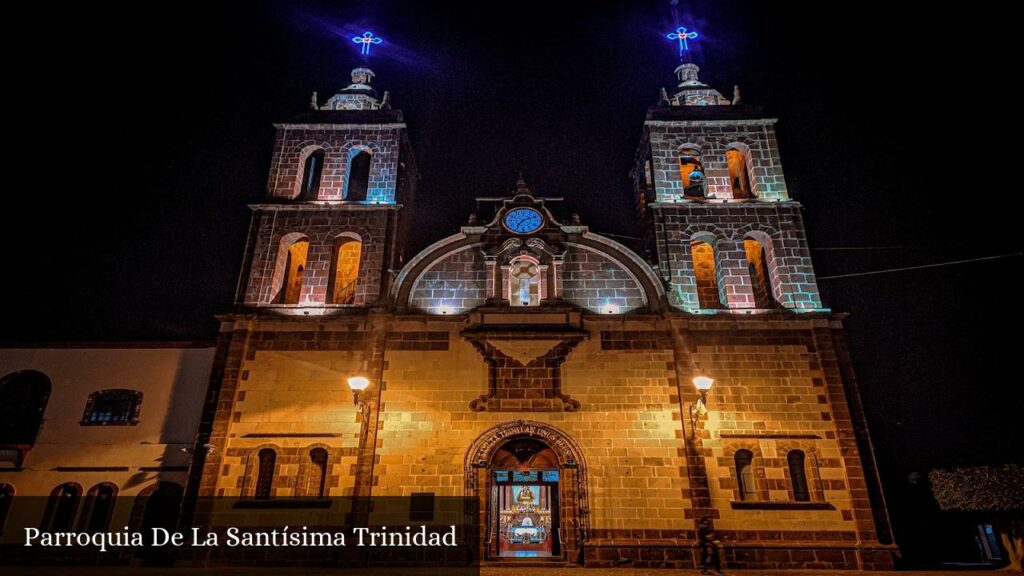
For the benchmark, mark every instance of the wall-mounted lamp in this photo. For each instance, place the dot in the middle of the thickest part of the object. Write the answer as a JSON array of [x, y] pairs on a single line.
[[700, 407], [358, 384]]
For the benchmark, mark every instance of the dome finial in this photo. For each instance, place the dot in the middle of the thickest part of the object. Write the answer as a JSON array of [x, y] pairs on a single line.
[[521, 187]]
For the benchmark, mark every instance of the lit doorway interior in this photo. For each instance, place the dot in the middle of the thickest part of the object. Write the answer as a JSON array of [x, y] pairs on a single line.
[[526, 502]]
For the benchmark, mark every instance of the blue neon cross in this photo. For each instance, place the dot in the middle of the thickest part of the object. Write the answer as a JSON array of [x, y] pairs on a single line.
[[682, 35], [366, 40]]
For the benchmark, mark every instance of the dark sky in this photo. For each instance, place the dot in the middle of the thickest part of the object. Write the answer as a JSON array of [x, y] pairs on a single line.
[[144, 132]]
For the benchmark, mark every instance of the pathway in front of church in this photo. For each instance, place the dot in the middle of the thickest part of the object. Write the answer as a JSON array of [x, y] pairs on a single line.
[[495, 571]]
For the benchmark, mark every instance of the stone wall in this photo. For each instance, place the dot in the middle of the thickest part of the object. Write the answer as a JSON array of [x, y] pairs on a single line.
[[295, 142], [712, 138], [454, 284], [593, 281], [321, 226], [777, 226], [647, 474]]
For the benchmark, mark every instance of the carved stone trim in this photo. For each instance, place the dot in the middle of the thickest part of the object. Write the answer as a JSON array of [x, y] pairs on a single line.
[[518, 384], [575, 510]]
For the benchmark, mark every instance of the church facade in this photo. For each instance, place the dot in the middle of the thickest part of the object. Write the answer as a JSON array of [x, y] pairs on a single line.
[[543, 368], [598, 400]]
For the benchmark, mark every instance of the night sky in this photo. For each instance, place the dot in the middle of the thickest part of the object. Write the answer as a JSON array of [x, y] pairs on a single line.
[[140, 142]]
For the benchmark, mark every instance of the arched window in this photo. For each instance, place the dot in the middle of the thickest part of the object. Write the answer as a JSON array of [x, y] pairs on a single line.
[[739, 177], [98, 508], [295, 271], [6, 500], [798, 476], [23, 398], [706, 274], [312, 171], [691, 173], [317, 472], [357, 178], [524, 278], [745, 475], [760, 278], [265, 474], [347, 253], [113, 408], [61, 509]]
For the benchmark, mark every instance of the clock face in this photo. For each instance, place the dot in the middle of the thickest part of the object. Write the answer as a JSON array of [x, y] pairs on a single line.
[[523, 220]]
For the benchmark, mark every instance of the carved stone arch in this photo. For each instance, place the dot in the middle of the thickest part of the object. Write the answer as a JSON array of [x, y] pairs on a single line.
[[770, 239], [569, 452], [812, 467], [700, 145], [743, 231], [251, 468], [358, 233], [758, 464], [729, 139], [353, 147], [348, 234], [280, 262], [573, 490], [306, 476], [344, 162], [693, 231]]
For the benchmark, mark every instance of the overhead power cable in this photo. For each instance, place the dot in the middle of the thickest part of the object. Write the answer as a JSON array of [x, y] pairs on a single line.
[[920, 267]]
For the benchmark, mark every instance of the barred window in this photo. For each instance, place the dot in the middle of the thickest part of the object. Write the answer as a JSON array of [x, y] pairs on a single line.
[[113, 408]]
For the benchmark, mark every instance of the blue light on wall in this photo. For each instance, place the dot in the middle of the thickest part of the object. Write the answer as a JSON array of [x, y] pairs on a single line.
[[682, 35], [367, 40]]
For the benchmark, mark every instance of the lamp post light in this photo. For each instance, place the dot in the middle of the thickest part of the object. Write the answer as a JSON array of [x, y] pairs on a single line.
[[700, 408], [358, 384]]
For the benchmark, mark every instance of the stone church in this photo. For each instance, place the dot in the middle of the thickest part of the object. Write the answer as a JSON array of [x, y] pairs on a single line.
[[598, 400]]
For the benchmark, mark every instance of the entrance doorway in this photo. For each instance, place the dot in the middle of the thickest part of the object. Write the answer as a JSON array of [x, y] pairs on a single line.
[[524, 499], [529, 479]]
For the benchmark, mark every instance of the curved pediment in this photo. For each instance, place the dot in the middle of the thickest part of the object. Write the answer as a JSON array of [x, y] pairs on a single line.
[[494, 265]]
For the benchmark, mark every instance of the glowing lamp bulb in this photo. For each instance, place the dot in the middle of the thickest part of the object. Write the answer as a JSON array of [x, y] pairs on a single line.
[[703, 383], [445, 309], [358, 383], [610, 309]]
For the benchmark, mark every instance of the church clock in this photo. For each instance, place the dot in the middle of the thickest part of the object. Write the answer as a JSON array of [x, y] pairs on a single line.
[[523, 220]]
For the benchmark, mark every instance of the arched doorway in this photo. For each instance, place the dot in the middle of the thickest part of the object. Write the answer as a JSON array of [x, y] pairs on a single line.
[[530, 482], [157, 506]]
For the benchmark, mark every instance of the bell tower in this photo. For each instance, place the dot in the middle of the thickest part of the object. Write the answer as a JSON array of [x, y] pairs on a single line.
[[717, 219], [339, 193]]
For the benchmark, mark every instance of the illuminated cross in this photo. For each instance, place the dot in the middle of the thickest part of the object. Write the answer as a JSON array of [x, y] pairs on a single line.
[[366, 40], [682, 35]]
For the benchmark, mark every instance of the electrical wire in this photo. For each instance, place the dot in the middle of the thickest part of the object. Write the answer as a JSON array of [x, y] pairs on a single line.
[[920, 267]]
